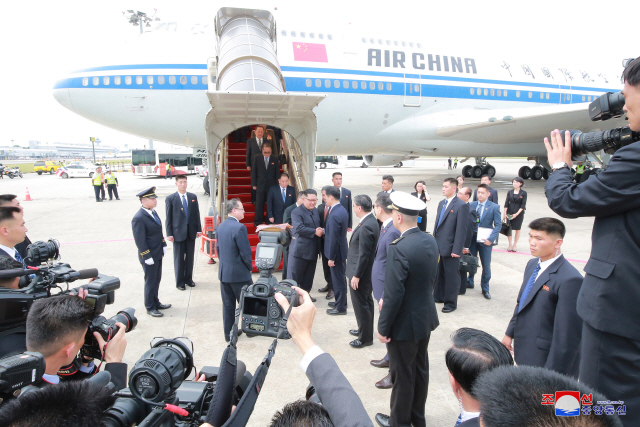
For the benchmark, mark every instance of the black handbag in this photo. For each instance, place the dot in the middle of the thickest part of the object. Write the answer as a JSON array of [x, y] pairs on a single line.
[[506, 227], [469, 264]]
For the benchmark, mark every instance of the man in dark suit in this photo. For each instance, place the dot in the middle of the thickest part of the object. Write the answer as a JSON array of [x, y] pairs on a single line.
[[12, 232], [147, 233], [235, 265], [359, 263], [408, 313], [489, 215], [286, 219], [464, 194], [545, 322], [279, 198], [323, 211], [388, 234], [450, 231], [387, 185], [336, 249], [609, 299], [305, 241], [493, 196], [345, 196], [254, 146], [264, 175], [183, 228], [12, 200]]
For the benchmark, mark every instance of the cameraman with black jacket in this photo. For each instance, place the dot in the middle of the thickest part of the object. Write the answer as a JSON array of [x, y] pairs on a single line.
[[609, 301]]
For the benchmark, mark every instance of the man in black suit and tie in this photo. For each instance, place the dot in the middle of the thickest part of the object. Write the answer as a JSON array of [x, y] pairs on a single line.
[[493, 193], [254, 146], [345, 196], [305, 241], [359, 263], [323, 211], [235, 265], [12, 232], [545, 323], [147, 233], [464, 194], [387, 185], [336, 249], [408, 313], [286, 219], [280, 197], [183, 228], [264, 175], [12, 200], [450, 231]]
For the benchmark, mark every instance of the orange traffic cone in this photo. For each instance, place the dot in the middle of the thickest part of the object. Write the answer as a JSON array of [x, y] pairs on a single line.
[[28, 196]]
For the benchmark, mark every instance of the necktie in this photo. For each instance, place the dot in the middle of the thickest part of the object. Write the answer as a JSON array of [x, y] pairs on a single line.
[[19, 258], [527, 288], [283, 195], [184, 205], [326, 211], [156, 217], [266, 163], [442, 212], [479, 210]]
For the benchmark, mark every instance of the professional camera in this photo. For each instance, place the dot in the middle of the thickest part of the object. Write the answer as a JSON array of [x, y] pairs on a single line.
[[259, 311], [107, 328], [19, 371]]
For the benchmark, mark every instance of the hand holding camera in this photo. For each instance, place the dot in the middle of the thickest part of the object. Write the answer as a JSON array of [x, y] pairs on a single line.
[[301, 318], [113, 350]]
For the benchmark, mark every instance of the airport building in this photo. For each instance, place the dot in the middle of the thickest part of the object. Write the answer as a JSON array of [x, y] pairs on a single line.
[[39, 150]]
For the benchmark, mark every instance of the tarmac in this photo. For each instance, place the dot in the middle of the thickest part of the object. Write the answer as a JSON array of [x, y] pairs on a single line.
[[98, 235]]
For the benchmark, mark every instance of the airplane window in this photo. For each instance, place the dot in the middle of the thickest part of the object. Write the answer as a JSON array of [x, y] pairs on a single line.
[[336, 84], [404, 44], [307, 83], [395, 43], [194, 80], [127, 80], [363, 85], [204, 80], [321, 36], [327, 83], [416, 88], [138, 80], [411, 44], [172, 80], [149, 80], [161, 80], [541, 95], [493, 92], [345, 84], [486, 92], [547, 95], [389, 86], [293, 34], [388, 42], [105, 81], [380, 86], [479, 92], [364, 40], [312, 36], [303, 34], [330, 37], [517, 94], [318, 83], [354, 85], [372, 86], [530, 94], [380, 41], [420, 45], [183, 80], [583, 98], [372, 41], [505, 92], [473, 91], [117, 80], [85, 81], [284, 33], [499, 92], [96, 81]]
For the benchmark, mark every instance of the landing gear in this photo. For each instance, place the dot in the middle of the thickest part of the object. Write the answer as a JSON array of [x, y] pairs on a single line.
[[476, 171], [524, 172], [399, 165], [481, 168], [489, 170], [537, 172], [466, 171], [545, 173]]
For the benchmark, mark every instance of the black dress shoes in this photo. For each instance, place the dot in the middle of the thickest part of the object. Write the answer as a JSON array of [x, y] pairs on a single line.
[[182, 288], [332, 304], [486, 294], [163, 306], [154, 313], [354, 332], [334, 312], [330, 294], [325, 289], [358, 343], [382, 420], [191, 285], [438, 301], [448, 309], [312, 299], [469, 285], [380, 363], [385, 382]]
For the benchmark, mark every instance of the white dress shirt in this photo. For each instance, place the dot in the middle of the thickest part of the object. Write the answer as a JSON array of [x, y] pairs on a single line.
[[308, 357], [365, 217], [150, 212], [10, 251], [386, 222], [402, 234], [545, 264]]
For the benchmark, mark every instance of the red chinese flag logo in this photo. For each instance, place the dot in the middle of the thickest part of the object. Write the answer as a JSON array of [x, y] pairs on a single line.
[[310, 52]]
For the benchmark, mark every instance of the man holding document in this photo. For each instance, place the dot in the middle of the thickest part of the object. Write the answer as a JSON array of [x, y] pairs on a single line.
[[489, 226]]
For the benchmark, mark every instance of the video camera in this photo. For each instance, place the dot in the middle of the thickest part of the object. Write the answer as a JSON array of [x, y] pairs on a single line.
[[260, 313], [19, 371]]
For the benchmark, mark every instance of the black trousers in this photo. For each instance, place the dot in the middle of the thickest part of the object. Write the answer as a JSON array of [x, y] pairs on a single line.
[[609, 363], [285, 262], [261, 200], [448, 282], [339, 282], [363, 307], [183, 261], [230, 293], [302, 271], [326, 270], [409, 368], [463, 283], [152, 277], [113, 189], [98, 189]]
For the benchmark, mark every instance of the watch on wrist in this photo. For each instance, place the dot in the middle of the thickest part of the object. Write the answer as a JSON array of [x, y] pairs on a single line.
[[558, 165]]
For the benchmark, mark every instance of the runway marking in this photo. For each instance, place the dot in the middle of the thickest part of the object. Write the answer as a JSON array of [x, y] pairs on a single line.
[[96, 241], [527, 253]]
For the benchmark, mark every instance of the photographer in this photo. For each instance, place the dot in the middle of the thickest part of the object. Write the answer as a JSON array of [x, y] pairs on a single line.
[[336, 394], [56, 328], [609, 298], [12, 341]]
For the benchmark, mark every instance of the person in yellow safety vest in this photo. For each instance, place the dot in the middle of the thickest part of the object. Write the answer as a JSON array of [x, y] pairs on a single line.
[[112, 184], [579, 171], [97, 181]]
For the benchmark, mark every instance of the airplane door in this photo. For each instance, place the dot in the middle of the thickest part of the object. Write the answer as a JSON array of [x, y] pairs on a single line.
[[412, 90], [565, 95]]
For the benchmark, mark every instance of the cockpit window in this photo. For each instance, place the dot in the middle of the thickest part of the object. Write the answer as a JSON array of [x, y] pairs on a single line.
[[172, 26]]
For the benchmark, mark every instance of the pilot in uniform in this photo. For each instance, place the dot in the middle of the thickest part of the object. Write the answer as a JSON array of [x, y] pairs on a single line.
[[147, 232]]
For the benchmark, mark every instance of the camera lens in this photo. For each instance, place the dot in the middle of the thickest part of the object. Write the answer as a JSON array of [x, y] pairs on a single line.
[[127, 317]]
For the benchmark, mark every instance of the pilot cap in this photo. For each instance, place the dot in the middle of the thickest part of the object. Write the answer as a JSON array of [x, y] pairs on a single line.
[[406, 203], [149, 193]]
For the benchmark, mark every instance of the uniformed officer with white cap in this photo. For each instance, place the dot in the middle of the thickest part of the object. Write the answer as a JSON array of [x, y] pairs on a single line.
[[408, 312]]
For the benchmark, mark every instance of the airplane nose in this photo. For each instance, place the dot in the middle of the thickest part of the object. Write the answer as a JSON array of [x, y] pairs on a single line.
[[61, 94]]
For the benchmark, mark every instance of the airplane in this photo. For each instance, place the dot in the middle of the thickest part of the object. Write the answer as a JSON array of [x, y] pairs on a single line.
[[386, 99]]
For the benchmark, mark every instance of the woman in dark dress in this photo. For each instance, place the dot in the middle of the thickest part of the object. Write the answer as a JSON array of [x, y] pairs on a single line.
[[514, 207], [422, 194]]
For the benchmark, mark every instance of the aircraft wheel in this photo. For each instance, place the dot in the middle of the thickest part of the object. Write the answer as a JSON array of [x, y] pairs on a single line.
[[466, 171], [489, 170], [524, 172], [537, 173], [476, 172], [545, 173]]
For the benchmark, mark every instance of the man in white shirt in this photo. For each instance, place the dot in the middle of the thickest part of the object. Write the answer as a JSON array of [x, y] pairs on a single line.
[[12, 231]]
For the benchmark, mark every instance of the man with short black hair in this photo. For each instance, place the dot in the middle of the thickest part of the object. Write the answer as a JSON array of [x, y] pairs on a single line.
[[8, 263], [387, 185], [493, 193], [12, 232], [323, 211], [545, 319], [473, 353], [496, 390], [286, 219], [12, 200], [464, 194], [345, 196], [336, 249], [305, 241], [280, 197], [264, 175], [300, 413]]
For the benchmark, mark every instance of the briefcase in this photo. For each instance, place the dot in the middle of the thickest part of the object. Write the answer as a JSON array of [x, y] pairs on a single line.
[[506, 227], [469, 264]]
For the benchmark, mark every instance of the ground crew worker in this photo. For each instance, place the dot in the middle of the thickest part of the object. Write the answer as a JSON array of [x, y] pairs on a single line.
[[97, 182], [112, 184], [579, 172]]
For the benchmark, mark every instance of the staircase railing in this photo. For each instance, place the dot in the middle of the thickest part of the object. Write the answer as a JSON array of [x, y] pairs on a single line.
[[297, 162], [223, 174]]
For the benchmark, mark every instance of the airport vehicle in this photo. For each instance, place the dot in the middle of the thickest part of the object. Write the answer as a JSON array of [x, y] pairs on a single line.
[[323, 162], [76, 171], [45, 166], [153, 163], [14, 172]]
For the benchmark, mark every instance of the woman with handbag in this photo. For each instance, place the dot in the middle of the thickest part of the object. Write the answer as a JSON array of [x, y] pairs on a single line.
[[422, 194], [514, 207]]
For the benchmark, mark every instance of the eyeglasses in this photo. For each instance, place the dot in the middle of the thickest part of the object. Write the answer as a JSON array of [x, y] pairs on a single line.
[[238, 209], [313, 200]]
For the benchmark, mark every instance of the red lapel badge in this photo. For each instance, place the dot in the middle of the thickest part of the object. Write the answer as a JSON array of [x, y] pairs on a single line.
[[546, 288]]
